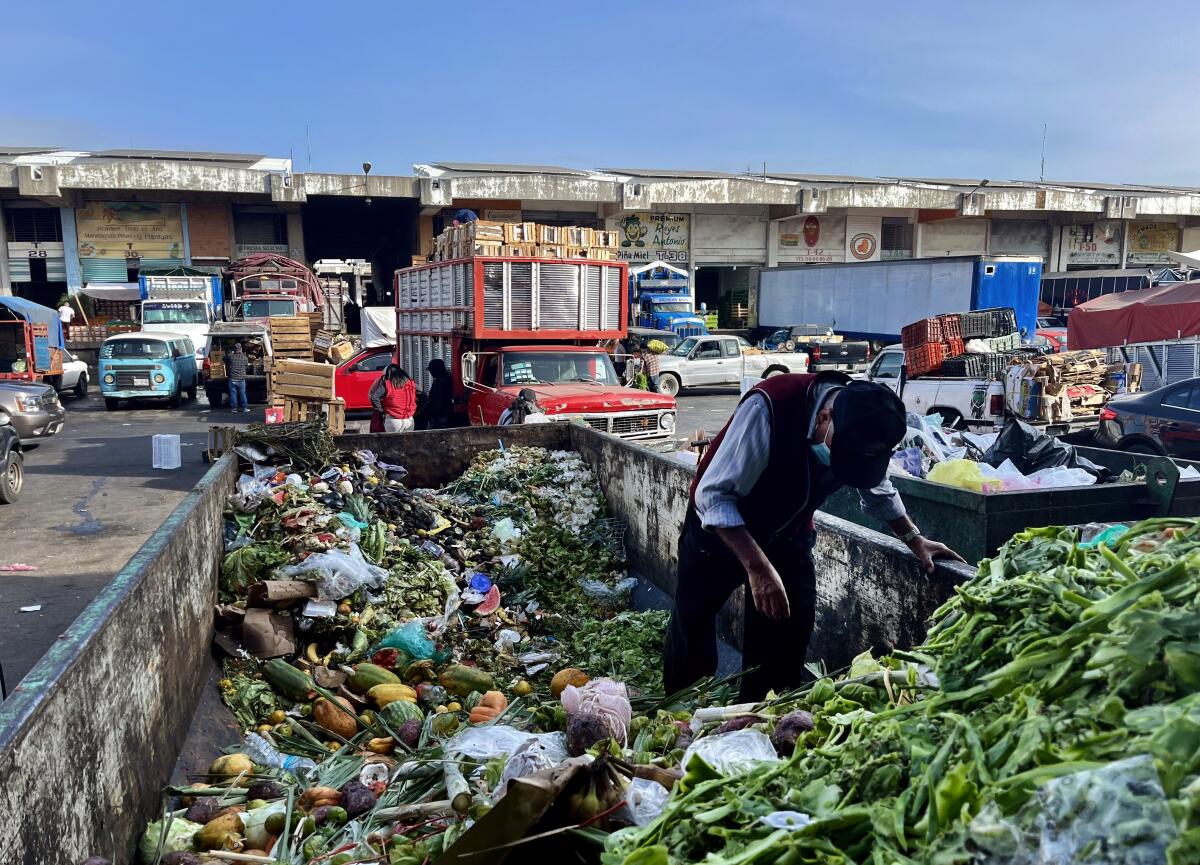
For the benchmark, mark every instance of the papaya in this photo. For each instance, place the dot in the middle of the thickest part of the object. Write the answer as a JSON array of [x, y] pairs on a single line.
[[461, 680], [334, 719], [367, 676]]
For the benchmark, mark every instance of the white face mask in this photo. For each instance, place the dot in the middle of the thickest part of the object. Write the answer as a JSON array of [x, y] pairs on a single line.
[[821, 449]]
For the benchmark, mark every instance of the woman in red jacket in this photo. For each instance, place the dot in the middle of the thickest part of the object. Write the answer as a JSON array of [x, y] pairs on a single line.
[[394, 396]]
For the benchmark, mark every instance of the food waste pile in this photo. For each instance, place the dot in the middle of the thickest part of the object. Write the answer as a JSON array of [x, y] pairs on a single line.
[[465, 682]]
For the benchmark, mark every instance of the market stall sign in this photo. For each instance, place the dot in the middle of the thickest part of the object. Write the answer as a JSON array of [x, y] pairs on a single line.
[[1149, 242], [129, 229], [1092, 243], [863, 238], [812, 240], [646, 237]]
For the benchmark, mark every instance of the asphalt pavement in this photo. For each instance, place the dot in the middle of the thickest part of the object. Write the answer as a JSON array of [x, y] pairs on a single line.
[[704, 408], [90, 500]]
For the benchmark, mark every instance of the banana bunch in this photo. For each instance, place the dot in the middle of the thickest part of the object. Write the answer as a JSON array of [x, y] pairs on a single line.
[[600, 794]]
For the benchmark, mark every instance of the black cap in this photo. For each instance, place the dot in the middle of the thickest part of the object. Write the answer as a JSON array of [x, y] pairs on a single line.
[[868, 423]]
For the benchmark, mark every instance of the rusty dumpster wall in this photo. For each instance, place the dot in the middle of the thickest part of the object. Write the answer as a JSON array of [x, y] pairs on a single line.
[[89, 736]]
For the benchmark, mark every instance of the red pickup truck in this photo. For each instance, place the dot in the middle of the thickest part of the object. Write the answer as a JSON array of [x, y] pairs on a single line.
[[503, 324]]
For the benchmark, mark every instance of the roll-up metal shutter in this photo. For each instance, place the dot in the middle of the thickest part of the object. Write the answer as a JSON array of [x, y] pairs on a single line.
[[105, 270]]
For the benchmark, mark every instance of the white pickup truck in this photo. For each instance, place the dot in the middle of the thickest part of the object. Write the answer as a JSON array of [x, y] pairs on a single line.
[[963, 403], [714, 360]]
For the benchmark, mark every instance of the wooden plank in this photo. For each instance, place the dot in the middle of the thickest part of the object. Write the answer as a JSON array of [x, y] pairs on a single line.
[[294, 391], [300, 367], [291, 379]]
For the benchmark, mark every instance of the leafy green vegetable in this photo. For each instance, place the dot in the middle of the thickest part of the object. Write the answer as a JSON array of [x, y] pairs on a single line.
[[248, 565], [627, 647]]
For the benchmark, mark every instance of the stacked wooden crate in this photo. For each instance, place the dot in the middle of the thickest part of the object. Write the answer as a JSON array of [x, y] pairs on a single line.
[[525, 240], [331, 346], [302, 389], [291, 336]]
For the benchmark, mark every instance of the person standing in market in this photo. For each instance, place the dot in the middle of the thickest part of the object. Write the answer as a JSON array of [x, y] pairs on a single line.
[[793, 440], [650, 366], [66, 313], [235, 367], [394, 395], [440, 403]]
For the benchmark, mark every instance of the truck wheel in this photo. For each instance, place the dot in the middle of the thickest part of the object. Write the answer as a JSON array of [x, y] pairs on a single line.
[[81, 386], [668, 384], [214, 396], [774, 370], [790, 345], [111, 404], [12, 477]]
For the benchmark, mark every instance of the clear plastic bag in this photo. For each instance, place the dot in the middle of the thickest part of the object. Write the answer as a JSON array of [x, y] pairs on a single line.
[[542, 751], [1114, 815], [487, 742], [338, 573], [644, 801], [604, 592], [732, 753]]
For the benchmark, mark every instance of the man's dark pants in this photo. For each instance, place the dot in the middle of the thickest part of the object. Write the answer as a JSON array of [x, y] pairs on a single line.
[[708, 574]]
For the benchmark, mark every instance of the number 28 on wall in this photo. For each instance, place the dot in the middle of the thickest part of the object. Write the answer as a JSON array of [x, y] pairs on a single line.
[[37, 253]]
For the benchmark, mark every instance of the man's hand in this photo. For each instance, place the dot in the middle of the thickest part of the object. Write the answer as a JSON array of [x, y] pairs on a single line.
[[770, 598], [927, 550]]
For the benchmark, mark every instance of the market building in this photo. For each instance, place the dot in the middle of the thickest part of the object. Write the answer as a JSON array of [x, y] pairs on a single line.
[[76, 217]]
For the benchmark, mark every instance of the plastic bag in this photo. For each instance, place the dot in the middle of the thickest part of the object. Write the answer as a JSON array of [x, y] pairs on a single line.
[[964, 474], [732, 753], [793, 821], [411, 639], [1031, 449], [644, 801], [487, 742], [338, 573], [506, 531], [603, 591], [178, 839], [1114, 815], [543, 751], [605, 698]]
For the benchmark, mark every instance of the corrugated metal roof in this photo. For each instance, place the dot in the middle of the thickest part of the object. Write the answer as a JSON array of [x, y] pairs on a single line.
[[5, 150], [181, 155], [501, 168], [673, 173], [821, 178]]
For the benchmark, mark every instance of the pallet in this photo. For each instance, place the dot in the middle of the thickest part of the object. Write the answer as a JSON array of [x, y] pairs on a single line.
[[303, 379], [220, 442], [296, 410]]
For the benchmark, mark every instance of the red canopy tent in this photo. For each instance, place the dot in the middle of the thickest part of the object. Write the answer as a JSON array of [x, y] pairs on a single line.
[[1170, 311]]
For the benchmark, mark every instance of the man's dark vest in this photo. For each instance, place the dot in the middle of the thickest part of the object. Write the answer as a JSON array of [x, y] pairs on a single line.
[[793, 485]]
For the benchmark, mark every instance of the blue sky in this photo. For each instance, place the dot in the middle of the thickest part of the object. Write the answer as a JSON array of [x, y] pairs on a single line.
[[937, 89]]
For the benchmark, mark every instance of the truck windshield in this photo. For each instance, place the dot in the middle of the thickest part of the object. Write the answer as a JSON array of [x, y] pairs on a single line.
[[674, 306], [685, 348], [550, 367], [267, 308], [135, 349], [174, 312]]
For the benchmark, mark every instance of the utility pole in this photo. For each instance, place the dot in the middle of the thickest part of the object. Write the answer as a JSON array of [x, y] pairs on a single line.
[[1042, 173]]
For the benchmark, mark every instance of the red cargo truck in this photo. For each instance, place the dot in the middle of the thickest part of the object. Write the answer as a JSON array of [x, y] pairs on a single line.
[[504, 324]]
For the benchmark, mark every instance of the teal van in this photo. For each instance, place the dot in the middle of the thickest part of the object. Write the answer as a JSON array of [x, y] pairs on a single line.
[[147, 366]]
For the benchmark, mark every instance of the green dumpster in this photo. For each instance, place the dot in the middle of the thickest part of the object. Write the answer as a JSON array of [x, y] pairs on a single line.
[[976, 525]]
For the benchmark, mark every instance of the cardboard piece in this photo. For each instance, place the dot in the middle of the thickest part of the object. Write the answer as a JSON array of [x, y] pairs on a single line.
[[519, 814], [267, 634], [272, 592]]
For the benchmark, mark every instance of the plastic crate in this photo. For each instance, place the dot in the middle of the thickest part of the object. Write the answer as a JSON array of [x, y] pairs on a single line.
[[919, 333], [1003, 343], [964, 366], [925, 359], [983, 323], [993, 365], [951, 326], [954, 346]]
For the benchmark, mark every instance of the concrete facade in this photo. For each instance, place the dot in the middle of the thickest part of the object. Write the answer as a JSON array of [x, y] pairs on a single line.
[[731, 220]]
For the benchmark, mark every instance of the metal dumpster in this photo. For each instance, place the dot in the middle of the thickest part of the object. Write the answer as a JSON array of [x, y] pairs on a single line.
[[976, 525]]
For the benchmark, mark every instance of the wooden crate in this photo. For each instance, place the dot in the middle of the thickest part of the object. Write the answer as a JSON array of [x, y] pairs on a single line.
[[220, 442], [301, 379], [334, 410]]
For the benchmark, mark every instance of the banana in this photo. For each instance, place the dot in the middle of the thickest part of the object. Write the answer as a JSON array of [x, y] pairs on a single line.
[[310, 652]]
